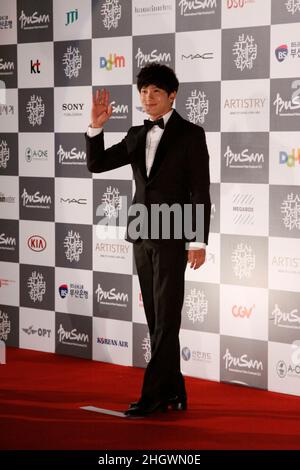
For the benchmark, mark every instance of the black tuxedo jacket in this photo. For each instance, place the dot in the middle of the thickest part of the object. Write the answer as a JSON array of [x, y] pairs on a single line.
[[180, 171]]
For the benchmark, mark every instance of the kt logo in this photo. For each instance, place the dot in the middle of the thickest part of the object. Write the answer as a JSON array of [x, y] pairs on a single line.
[[35, 66]]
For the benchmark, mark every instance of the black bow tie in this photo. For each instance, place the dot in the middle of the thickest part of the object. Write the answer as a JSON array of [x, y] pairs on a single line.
[[149, 124]]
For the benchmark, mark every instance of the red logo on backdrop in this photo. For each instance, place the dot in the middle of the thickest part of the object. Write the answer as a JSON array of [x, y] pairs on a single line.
[[241, 311], [37, 243]]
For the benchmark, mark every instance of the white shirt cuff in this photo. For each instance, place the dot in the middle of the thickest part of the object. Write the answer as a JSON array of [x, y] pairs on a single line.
[[195, 246], [93, 131]]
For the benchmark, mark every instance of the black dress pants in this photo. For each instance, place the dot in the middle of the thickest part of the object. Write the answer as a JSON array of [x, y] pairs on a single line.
[[160, 268]]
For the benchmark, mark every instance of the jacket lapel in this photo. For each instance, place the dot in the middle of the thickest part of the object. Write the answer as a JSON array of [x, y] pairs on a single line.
[[141, 151], [168, 137]]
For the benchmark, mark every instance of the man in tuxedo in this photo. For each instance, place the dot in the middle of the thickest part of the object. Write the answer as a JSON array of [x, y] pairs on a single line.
[[170, 164]]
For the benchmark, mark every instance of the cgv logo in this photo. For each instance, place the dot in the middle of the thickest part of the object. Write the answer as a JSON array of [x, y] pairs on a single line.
[[241, 311]]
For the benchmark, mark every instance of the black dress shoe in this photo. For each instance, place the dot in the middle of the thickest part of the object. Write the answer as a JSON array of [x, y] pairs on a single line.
[[144, 410], [175, 403], [178, 403]]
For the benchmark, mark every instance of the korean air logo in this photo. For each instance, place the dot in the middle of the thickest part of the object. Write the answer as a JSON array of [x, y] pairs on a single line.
[[63, 290], [281, 52], [186, 354]]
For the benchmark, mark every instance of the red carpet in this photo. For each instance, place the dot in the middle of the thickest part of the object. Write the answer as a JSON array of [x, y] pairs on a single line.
[[40, 396]]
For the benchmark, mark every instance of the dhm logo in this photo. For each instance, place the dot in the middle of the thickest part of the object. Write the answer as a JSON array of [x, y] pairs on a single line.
[[281, 52], [113, 60], [291, 159], [63, 290]]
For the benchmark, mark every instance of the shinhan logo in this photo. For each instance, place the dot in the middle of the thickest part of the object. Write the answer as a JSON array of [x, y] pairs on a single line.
[[281, 52], [115, 60], [186, 354]]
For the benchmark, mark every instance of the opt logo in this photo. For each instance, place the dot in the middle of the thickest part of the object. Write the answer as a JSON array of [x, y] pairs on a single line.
[[36, 243]]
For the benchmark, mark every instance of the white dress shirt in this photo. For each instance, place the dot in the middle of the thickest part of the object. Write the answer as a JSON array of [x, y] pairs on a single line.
[[152, 140]]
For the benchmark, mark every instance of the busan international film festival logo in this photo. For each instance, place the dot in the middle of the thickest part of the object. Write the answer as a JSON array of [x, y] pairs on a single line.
[[288, 107], [197, 306], [283, 319], [112, 202], [292, 6], [72, 62], [146, 347], [35, 110], [245, 52], [36, 287], [5, 326], [197, 106], [73, 245], [4, 152], [110, 13], [290, 208], [243, 259]]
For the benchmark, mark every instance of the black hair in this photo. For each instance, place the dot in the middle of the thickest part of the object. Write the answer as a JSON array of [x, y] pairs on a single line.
[[159, 75]]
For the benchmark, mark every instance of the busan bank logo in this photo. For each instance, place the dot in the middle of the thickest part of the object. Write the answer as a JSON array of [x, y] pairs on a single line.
[[281, 52], [113, 61], [63, 290], [186, 353]]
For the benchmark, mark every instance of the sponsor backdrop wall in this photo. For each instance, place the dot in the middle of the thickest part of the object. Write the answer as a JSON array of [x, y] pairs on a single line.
[[65, 290]]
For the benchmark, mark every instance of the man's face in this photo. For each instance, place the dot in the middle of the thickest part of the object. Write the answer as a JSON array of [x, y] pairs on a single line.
[[155, 101]]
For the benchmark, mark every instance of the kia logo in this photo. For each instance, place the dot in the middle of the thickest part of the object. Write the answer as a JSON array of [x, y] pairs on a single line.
[[37, 243]]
